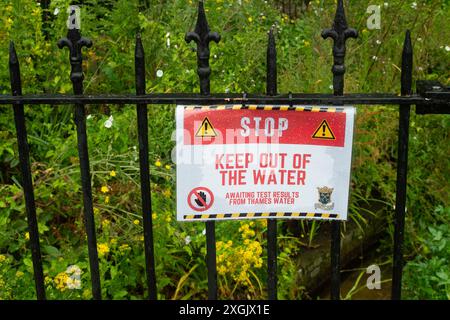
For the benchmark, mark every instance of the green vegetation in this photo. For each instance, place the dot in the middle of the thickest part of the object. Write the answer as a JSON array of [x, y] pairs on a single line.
[[238, 65]]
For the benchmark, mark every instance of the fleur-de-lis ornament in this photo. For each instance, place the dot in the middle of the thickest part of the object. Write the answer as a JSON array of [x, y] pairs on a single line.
[[340, 32], [202, 36], [75, 42]]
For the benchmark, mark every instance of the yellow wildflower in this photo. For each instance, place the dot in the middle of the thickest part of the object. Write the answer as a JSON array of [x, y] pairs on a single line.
[[2, 258], [246, 231], [87, 294], [113, 241], [168, 167], [103, 249], [19, 274], [221, 270], [104, 189], [96, 211], [166, 193], [136, 222], [158, 163], [27, 235], [106, 223], [106, 199], [220, 258], [168, 218], [154, 216], [306, 43], [61, 281], [124, 247], [112, 173], [250, 19], [141, 238]]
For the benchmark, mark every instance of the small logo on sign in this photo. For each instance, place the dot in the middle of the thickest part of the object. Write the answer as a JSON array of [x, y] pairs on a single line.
[[200, 199], [325, 199], [324, 132], [206, 129]]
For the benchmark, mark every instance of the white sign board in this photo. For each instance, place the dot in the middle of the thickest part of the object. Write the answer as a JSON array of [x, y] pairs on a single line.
[[246, 162]]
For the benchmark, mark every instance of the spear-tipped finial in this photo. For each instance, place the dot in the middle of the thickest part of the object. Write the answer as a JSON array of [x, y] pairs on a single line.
[[202, 36], [407, 65], [340, 32], [75, 42], [14, 71], [12, 53], [139, 65], [139, 50]]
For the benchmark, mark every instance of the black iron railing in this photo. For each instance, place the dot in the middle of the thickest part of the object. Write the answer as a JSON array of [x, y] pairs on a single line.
[[432, 98]]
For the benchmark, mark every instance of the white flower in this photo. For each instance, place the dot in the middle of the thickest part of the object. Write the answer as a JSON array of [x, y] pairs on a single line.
[[386, 4], [378, 42], [187, 240], [109, 122], [419, 39], [215, 56], [56, 11], [375, 58], [89, 117], [227, 90], [414, 5], [204, 232], [73, 283], [168, 42], [331, 86], [447, 48], [159, 73], [73, 269]]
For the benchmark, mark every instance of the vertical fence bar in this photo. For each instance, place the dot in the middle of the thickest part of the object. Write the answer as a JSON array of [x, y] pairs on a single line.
[[27, 182], [402, 168], [75, 42], [142, 121], [45, 5], [271, 90], [203, 36], [339, 33]]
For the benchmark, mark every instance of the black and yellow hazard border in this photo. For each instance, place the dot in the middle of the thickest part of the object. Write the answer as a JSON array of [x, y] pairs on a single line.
[[266, 107], [328, 216]]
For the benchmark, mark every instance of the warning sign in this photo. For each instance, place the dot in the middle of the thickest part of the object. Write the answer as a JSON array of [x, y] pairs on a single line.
[[236, 162], [206, 129], [324, 131]]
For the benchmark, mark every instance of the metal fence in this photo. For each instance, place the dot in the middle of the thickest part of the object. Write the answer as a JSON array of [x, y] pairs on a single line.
[[431, 98]]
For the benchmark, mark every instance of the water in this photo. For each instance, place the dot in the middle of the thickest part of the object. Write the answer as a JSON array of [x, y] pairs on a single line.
[[360, 291]]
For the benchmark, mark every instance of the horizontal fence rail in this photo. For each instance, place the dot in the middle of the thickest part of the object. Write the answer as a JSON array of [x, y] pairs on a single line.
[[431, 97]]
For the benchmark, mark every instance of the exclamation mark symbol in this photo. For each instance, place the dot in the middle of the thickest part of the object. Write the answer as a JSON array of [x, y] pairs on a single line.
[[206, 127], [323, 130]]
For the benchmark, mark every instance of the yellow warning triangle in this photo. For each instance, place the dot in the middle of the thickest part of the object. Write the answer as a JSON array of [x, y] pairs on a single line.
[[324, 132], [206, 129]]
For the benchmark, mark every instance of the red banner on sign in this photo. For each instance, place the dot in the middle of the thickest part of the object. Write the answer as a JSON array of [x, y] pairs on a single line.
[[243, 126]]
